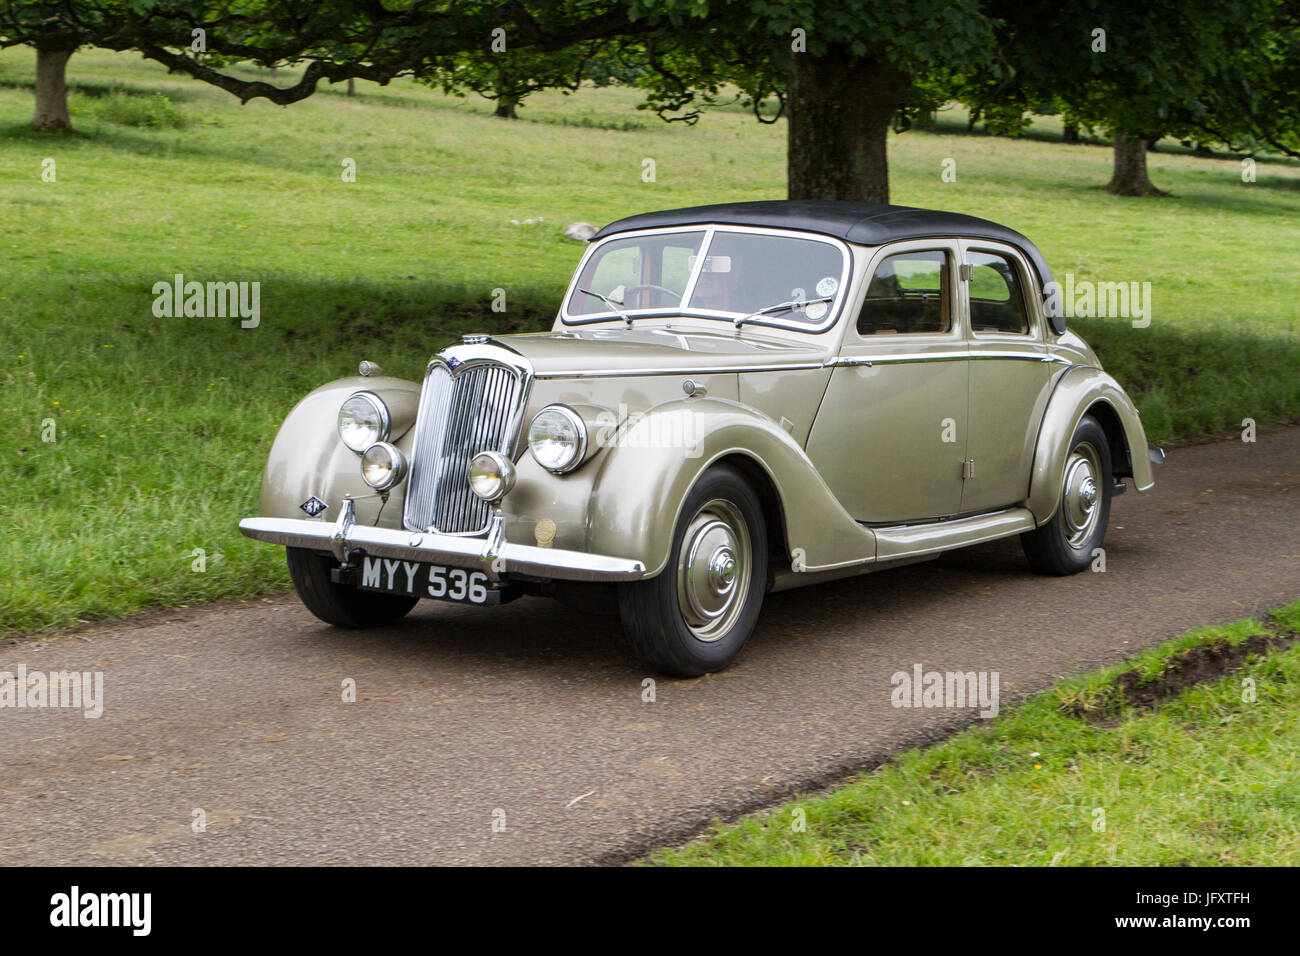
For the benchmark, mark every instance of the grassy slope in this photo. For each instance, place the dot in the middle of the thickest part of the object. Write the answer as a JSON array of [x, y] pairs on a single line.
[[1203, 779], [164, 423]]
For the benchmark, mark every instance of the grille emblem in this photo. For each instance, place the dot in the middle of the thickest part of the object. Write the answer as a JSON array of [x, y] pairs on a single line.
[[313, 506]]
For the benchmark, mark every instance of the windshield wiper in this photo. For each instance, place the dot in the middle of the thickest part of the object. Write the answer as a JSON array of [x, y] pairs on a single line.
[[781, 307], [614, 306]]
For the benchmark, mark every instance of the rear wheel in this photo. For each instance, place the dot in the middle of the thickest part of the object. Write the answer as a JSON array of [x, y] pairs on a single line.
[[340, 604], [1064, 545], [696, 614]]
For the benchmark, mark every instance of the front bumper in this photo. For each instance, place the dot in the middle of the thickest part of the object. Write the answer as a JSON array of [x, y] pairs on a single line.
[[493, 554]]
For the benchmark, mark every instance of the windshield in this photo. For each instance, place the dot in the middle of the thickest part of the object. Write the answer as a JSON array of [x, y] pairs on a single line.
[[637, 274], [764, 278]]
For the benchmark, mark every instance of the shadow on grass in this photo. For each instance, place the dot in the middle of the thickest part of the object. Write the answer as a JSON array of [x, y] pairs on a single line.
[[1165, 147], [97, 89], [323, 313]]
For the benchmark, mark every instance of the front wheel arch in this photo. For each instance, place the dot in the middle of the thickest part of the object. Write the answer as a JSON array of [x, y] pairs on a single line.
[[657, 612]]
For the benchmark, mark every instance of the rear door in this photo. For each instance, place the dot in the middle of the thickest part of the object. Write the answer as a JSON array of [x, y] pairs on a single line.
[[1010, 376], [890, 436]]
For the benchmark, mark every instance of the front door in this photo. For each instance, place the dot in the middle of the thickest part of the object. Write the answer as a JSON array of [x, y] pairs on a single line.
[[890, 436]]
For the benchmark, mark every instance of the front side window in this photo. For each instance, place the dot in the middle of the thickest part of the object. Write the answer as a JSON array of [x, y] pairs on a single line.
[[762, 277], [907, 295], [996, 302], [638, 274]]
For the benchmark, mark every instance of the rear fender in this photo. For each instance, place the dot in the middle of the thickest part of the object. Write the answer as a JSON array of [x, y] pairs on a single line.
[[1079, 390]]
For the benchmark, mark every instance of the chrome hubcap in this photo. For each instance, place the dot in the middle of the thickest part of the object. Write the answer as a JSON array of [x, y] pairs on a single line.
[[1081, 497], [713, 571]]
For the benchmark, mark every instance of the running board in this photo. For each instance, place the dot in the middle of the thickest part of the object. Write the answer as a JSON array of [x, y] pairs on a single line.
[[915, 540]]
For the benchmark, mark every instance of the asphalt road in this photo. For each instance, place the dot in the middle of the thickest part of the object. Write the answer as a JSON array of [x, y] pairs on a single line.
[[533, 716]]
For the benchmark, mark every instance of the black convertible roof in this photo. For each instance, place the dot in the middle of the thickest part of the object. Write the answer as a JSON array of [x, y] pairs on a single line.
[[868, 224]]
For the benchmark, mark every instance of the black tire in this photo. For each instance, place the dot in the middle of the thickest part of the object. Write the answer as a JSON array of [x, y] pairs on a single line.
[[340, 604], [1059, 546], [652, 611]]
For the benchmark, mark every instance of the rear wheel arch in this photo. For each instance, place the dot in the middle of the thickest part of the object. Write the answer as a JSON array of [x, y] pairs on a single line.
[[1121, 456]]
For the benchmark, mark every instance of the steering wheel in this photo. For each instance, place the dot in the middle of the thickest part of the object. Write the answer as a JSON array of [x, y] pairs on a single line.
[[652, 288]]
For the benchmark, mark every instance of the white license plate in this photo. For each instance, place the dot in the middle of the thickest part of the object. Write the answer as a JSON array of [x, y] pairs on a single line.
[[416, 579]]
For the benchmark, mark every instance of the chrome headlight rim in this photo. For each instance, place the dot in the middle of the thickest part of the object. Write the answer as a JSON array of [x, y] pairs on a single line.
[[397, 470], [502, 469], [384, 420], [579, 448]]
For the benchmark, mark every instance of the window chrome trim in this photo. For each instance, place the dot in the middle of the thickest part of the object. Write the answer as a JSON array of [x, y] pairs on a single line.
[[684, 370], [904, 358], [710, 231]]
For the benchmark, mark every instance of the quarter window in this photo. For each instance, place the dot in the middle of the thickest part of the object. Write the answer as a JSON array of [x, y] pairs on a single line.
[[996, 301], [907, 295]]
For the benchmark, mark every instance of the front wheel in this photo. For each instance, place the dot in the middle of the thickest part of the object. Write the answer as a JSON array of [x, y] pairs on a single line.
[[341, 604], [1065, 544], [696, 614]]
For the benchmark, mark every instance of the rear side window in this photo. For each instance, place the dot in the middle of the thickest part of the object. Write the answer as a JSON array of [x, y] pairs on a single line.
[[996, 301], [907, 295]]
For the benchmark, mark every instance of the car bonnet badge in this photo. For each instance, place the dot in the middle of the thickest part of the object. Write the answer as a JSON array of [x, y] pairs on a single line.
[[313, 506], [454, 363]]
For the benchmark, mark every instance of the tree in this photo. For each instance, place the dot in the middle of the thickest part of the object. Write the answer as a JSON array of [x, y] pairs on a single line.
[[506, 76], [1138, 71], [844, 69], [337, 40], [41, 26], [843, 73]]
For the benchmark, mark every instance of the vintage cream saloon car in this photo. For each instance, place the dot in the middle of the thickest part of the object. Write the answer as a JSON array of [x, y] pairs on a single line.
[[734, 399]]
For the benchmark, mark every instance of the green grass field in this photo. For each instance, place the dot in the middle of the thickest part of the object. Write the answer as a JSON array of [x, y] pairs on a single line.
[[162, 425], [1072, 777]]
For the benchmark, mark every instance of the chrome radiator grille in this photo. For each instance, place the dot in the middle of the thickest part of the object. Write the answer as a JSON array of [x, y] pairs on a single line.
[[461, 414]]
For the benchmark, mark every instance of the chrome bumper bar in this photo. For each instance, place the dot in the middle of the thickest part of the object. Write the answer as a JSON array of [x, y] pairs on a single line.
[[492, 554], [1155, 454]]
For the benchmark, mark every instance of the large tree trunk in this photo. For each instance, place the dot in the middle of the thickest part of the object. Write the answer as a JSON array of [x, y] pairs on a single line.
[[1130, 175], [840, 109], [506, 107], [1070, 134], [52, 89]]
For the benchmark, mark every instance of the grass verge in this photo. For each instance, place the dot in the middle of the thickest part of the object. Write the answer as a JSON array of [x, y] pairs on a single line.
[[1186, 755]]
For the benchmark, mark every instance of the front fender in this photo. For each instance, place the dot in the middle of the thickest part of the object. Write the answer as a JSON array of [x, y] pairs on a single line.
[[308, 458], [645, 475], [1080, 389]]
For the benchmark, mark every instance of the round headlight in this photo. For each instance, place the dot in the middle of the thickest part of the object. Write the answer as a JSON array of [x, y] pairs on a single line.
[[382, 466], [363, 420], [491, 475], [558, 438]]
